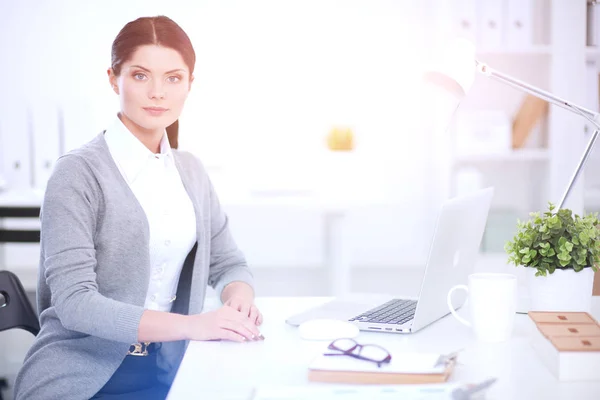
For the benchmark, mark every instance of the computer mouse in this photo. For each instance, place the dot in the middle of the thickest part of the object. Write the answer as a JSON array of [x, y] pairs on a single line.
[[327, 329]]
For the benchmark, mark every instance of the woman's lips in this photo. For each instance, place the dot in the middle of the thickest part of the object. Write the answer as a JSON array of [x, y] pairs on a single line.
[[156, 111]]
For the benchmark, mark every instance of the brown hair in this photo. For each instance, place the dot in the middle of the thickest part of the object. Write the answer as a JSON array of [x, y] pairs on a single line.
[[160, 31], [173, 134]]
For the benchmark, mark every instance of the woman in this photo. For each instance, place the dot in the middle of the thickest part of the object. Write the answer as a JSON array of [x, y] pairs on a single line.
[[131, 234]]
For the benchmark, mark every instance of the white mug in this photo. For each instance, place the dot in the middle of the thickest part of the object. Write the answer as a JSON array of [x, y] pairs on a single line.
[[492, 305]]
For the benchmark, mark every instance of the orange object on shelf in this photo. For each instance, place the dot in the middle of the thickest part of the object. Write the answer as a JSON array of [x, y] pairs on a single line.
[[340, 139]]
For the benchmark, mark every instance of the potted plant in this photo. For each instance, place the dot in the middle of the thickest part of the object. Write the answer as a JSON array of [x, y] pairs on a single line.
[[561, 251]]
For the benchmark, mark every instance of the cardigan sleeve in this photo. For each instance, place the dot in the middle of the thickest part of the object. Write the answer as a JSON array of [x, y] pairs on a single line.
[[68, 222]]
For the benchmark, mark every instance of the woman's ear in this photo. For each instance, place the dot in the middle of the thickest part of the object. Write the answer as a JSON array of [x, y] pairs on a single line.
[[112, 79], [191, 81]]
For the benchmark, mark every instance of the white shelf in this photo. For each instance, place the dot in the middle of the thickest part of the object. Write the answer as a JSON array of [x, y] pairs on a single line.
[[533, 50], [521, 155]]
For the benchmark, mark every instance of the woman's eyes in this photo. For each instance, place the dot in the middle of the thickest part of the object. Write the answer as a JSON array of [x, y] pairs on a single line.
[[171, 79]]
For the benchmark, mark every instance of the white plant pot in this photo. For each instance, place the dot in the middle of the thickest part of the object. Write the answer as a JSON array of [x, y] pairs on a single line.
[[563, 290]]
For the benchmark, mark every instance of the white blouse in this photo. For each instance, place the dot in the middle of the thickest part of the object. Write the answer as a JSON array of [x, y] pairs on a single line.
[[155, 181]]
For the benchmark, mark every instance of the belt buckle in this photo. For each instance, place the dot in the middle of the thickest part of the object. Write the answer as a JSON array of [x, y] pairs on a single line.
[[139, 349]]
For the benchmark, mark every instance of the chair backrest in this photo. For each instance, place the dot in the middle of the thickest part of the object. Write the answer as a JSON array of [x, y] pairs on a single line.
[[17, 311]]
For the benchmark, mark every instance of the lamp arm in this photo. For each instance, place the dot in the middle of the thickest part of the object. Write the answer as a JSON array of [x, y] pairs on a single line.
[[590, 115], [486, 70]]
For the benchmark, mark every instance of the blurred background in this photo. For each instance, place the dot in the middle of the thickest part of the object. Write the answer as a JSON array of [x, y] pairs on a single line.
[[314, 124]]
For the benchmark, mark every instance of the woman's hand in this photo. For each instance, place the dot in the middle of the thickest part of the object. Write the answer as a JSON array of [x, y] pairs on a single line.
[[246, 307], [240, 296], [225, 323]]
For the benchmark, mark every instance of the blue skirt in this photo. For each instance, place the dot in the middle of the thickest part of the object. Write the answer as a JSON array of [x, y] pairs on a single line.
[[136, 378]]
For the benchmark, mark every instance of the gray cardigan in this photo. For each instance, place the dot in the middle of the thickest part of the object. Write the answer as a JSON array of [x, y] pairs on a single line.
[[95, 268]]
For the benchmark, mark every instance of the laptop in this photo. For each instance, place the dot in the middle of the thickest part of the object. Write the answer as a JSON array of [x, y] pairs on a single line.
[[452, 255]]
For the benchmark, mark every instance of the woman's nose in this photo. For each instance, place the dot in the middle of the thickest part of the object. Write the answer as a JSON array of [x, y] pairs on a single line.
[[157, 90]]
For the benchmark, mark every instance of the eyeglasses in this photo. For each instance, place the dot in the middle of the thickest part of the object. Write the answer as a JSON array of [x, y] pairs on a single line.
[[366, 352]]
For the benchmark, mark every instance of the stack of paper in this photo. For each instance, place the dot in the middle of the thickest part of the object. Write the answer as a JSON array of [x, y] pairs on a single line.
[[403, 368]]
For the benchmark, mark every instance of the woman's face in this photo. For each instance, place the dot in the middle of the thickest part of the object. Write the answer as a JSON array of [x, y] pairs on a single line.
[[152, 86]]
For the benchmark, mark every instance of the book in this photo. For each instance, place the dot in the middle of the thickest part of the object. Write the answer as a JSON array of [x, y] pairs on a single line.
[[531, 111], [568, 344], [416, 368]]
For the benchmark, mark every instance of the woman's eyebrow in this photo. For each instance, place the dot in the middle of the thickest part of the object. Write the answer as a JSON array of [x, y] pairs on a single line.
[[168, 72], [140, 67], [175, 70]]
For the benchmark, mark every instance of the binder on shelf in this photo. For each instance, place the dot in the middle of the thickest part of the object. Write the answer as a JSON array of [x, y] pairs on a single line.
[[491, 25], [519, 26], [464, 19], [15, 144], [405, 368]]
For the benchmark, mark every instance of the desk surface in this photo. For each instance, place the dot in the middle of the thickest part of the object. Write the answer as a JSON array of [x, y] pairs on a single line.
[[227, 370]]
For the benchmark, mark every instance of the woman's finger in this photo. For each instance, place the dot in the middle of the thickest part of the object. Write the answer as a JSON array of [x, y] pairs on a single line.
[[249, 324], [238, 317], [231, 335], [253, 315], [234, 304], [245, 309], [239, 328], [259, 319]]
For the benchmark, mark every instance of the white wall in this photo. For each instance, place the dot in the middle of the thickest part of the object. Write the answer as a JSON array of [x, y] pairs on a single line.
[[272, 78]]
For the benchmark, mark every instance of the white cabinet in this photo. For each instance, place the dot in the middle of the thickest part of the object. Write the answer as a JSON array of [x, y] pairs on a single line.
[[278, 236]]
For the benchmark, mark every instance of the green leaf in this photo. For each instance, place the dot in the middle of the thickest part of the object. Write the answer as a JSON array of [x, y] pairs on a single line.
[[532, 253], [569, 246], [557, 238]]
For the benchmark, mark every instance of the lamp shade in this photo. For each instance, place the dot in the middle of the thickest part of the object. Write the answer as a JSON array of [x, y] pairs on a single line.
[[454, 70]]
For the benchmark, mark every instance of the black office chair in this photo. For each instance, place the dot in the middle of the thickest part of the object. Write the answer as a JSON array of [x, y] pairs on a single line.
[[16, 311]]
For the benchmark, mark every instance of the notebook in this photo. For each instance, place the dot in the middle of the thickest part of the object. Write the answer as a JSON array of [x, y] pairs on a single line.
[[403, 368]]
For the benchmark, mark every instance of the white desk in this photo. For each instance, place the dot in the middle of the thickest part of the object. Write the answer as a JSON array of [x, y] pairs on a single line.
[[227, 370]]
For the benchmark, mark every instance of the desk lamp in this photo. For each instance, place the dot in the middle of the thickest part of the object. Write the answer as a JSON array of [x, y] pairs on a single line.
[[455, 75]]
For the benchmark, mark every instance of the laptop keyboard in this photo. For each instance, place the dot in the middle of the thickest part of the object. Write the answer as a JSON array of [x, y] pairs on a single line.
[[395, 311]]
